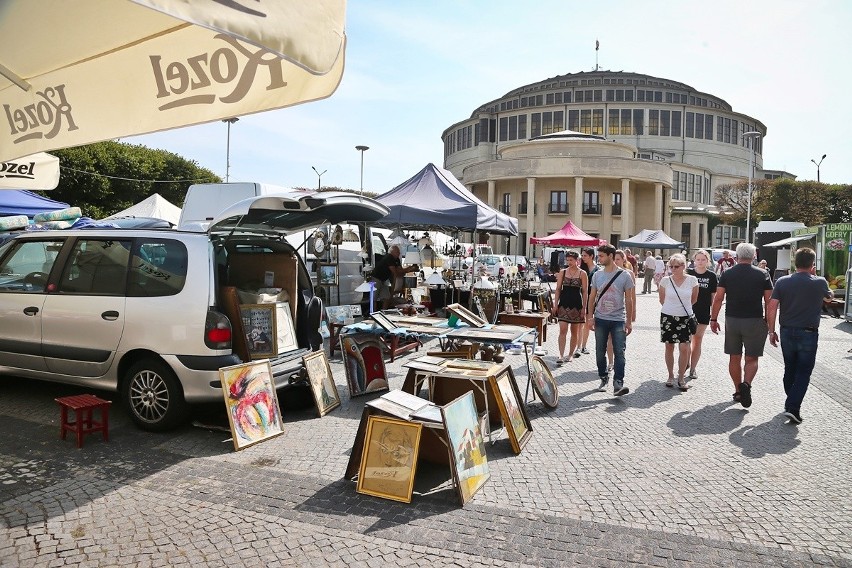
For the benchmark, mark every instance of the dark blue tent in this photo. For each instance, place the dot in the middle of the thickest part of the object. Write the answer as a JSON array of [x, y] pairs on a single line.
[[435, 200], [21, 202]]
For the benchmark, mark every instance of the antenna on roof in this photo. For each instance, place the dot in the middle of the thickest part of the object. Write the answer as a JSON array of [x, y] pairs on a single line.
[[597, 48]]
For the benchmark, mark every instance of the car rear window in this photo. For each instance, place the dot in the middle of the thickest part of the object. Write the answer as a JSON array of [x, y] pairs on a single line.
[[158, 268]]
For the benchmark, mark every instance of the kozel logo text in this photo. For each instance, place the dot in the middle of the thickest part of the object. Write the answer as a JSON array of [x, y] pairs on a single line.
[[224, 66], [17, 170], [43, 119]]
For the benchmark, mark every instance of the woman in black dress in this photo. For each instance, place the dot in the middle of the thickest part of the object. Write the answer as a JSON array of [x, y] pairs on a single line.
[[572, 291], [707, 282]]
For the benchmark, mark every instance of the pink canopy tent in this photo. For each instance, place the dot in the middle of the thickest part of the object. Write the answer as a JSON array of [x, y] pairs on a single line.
[[568, 236]]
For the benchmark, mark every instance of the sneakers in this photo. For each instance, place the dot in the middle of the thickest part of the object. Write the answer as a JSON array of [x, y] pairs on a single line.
[[559, 361], [618, 389], [794, 416], [745, 394], [604, 383], [692, 375], [584, 351], [576, 354]]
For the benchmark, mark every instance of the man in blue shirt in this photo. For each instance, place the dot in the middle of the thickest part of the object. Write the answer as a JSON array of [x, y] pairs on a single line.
[[799, 297]]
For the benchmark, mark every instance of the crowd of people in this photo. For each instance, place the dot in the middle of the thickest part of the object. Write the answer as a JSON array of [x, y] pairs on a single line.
[[596, 294]]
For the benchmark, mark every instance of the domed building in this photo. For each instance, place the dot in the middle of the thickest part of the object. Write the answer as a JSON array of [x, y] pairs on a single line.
[[615, 152]]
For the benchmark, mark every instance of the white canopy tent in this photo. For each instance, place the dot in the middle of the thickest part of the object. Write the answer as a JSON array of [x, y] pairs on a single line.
[[155, 206]]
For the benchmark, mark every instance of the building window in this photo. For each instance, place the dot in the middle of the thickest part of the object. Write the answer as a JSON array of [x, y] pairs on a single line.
[[507, 203], [513, 128], [504, 129], [665, 123], [598, 121], [522, 242], [616, 204], [708, 127], [522, 206], [574, 120], [522, 127], [591, 205], [639, 121], [535, 125], [585, 121], [614, 238], [690, 125], [546, 122], [676, 123], [685, 231], [654, 122], [558, 202], [613, 127], [558, 120]]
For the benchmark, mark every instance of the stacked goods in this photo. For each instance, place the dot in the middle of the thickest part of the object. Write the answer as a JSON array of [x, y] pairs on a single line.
[[13, 222], [61, 219]]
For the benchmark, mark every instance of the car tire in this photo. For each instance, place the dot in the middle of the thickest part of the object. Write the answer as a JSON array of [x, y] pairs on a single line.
[[153, 395]]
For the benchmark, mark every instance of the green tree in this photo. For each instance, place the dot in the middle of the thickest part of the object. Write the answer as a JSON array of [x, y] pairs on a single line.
[[805, 201], [839, 204], [106, 177]]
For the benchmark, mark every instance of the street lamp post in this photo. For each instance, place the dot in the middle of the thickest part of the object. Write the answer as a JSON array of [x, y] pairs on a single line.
[[362, 149], [319, 177], [754, 135], [230, 121], [818, 164]]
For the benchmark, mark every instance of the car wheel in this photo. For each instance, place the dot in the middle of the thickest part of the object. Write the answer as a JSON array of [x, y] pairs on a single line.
[[153, 395]]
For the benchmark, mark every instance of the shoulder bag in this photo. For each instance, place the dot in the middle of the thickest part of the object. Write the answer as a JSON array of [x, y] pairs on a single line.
[[692, 322], [605, 288]]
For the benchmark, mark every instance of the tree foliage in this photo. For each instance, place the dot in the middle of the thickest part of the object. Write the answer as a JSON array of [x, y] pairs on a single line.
[[805, 201], [106, 177]]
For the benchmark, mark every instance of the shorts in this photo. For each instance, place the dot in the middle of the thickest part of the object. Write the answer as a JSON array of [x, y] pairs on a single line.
[[674, 329], [748, 333]]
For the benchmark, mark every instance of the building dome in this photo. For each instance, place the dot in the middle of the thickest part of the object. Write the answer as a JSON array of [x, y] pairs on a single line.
[[614, 151]]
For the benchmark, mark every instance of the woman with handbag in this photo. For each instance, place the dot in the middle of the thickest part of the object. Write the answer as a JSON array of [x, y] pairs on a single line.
[[707, 283], [677, 322]]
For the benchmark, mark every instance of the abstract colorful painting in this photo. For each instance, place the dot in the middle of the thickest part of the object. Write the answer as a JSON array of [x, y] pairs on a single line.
[[251, 402], [389, 459], [467, 449]]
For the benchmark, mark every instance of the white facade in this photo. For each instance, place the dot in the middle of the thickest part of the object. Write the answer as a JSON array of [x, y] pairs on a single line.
[[653, 153]]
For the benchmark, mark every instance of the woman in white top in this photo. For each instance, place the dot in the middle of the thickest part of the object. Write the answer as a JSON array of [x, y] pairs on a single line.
[[659, 271], [677, 294]]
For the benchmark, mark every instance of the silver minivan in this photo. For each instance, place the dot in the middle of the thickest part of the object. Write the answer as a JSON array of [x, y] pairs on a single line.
[[141, 312]]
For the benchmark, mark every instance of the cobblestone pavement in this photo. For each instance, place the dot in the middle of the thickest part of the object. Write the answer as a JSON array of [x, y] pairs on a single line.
[[656, 478]]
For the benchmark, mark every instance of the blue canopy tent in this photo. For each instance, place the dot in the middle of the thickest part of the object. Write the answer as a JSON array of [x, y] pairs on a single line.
[[434, 199], [21, 202]]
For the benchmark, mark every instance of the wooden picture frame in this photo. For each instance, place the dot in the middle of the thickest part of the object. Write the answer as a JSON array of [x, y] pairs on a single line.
[[327, 273], [383, 321], [251, 403], [468, 460], [514, 414], [260, 330], [466, 315], [389, 458], [543, 382], [322, 382]]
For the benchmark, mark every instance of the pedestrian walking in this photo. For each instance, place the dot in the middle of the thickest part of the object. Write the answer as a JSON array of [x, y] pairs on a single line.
[[621, 262], [747, 289], [572, 291], [798, 297], [610, 302], [634, 263], [587, 264], [649, 266], [707, 283], [676, 293], [725, 262]]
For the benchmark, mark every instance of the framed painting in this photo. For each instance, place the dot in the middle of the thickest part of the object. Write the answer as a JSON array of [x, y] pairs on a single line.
[[364, 364], [467, 448], [514, 415], [327, 273], [383, 321], [337, 314], [251, 403], [322, 382], [543, 382], [466, 315], [260, 329], [285, 331], [389, 458]]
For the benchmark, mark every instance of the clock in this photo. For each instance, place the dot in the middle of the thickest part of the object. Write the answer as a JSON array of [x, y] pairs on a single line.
[[337, 236], [318, 243]]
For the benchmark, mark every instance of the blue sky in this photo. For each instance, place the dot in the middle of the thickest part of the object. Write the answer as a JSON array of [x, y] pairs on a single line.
[[415, 68]]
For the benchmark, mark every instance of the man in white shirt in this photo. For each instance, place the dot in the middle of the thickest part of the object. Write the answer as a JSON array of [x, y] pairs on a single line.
[[649, 266]]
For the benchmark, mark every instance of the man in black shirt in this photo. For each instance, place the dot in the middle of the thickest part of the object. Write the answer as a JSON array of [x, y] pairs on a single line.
[[387, 270], [748, 290]]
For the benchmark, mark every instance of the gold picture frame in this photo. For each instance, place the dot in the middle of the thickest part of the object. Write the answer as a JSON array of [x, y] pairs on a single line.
[[389, 458], [466, 315], [514, 414], [251, 403], [543, 382], [322, 382], [468, 460]]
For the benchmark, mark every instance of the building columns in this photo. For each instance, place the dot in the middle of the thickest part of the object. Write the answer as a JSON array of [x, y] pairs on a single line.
[[578, 202], [626, 210], [492, 185], [658, 206], [530, 207]]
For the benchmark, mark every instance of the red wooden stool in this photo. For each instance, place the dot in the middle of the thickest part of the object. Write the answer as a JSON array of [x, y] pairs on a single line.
[[82, 405]]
